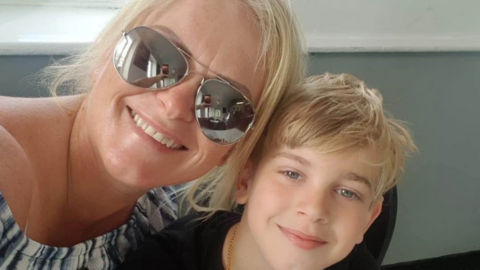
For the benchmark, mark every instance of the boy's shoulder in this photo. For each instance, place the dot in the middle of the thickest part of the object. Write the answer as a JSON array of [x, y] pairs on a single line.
[[199, 222], [191, 243], [358, 259], [198, 228]]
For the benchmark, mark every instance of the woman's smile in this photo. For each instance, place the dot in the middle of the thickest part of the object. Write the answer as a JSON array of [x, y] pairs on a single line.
[[155, 134]]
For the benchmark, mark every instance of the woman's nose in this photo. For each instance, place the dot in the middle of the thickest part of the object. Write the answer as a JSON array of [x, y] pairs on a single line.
[[179, 100]]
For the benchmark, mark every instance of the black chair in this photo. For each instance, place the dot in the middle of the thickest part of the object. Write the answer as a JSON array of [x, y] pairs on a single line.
[[378, 236]]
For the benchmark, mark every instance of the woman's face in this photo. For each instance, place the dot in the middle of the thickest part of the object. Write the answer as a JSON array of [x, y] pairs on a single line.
[[219, 34]]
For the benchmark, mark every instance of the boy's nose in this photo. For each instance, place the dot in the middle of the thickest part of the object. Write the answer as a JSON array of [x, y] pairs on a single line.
[[179, 100], [315, 206]]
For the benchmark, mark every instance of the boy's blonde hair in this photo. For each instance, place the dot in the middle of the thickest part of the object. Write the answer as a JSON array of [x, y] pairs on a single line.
[[334, 113]]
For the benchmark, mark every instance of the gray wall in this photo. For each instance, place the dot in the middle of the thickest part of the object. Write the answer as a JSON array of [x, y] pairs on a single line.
[[439, 95], [16, 75]]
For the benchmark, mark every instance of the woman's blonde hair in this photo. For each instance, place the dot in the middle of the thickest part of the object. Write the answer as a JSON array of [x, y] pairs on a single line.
[[72, 74], [282, 55], [335, 113]]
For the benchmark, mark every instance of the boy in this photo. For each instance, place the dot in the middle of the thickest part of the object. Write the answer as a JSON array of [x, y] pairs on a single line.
[[311, 189]]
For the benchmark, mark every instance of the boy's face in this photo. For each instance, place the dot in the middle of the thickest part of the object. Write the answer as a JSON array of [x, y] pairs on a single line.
[[307, 210]]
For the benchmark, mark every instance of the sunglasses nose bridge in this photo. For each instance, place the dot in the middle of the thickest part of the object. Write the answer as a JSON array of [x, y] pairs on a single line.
[[179, 99], [198, 73]]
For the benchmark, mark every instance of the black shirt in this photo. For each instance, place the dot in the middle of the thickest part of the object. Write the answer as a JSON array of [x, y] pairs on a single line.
[[193, 244]]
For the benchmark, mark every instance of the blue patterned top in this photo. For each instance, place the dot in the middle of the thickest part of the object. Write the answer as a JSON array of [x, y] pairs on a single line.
[[153, 211]]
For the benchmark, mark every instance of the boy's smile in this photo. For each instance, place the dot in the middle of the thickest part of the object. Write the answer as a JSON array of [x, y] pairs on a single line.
[[302, 240], [305, 209]]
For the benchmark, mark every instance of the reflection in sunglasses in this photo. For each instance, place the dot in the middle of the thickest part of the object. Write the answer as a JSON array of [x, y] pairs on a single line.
[[165, 69], [167, 82], [147, 59]]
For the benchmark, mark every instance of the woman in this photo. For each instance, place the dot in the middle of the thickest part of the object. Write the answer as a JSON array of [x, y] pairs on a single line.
[[79, 173]]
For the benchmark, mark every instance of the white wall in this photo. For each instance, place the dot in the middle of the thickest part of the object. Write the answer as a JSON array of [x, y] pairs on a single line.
[[330, 25], [390, 25]]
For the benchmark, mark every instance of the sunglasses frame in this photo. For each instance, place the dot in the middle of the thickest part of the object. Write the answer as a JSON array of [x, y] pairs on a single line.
[[185, 55]]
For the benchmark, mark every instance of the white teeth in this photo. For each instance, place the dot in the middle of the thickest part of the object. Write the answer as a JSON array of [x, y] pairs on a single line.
[[159, 137], [150, 131], [164, 140]]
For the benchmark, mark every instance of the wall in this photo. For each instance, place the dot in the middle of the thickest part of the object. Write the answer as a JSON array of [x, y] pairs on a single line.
[[439, 94], [338, 26], [379, 25], [17, 75]]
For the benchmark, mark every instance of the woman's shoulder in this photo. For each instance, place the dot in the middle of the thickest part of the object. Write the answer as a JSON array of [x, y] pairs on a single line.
[[103, 252], [30, 122], [15, 173], [17, 111], [29, 138], [26, 121]]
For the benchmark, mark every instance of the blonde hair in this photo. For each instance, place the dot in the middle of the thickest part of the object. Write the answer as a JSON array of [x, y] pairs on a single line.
[[282, 55], [72, 74], [333, 113], [280, 42], [284, 61]]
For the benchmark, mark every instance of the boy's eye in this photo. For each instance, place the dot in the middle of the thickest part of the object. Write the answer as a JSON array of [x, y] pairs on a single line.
[[347, 194], [293, 175]]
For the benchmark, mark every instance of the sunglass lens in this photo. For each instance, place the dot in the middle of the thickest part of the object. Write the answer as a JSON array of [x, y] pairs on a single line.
[[145, 58], [223, 113]]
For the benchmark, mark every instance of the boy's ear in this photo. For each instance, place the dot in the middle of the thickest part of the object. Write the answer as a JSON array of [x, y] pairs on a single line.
[[374, 212], [244, 184]]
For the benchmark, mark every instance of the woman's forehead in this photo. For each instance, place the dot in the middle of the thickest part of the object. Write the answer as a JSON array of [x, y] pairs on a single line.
[[218, 36]]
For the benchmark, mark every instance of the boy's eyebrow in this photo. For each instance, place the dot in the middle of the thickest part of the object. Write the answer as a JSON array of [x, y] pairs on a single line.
[[294, 157], [358, 178]]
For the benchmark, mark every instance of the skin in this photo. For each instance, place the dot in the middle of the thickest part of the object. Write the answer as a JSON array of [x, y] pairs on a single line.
[[298, 194], [77, 175]]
